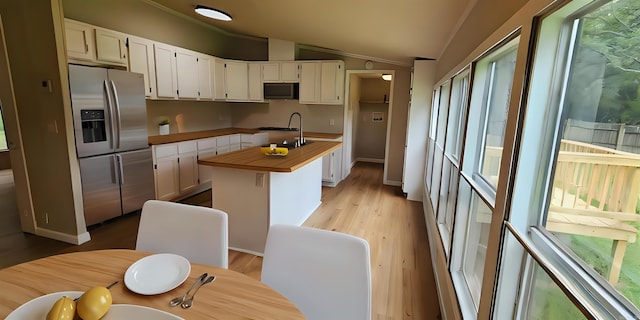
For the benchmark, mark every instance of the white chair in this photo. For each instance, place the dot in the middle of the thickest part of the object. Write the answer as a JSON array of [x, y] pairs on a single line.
[[326, 274], [197, 233]]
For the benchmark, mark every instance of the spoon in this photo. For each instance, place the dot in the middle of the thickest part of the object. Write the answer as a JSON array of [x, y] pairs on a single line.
[[187, 303], [178, 300]]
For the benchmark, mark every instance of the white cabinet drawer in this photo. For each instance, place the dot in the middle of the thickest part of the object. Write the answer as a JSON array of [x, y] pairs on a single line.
[[166, 150], [209, 143], [187, 146], [246, 138], [234, 139], [222, 141]]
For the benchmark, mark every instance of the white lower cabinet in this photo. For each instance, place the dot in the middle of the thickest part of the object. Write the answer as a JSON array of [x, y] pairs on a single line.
[[206, 149], [167, 171], [331, 165], [234, 142], [177, 172], [188, 161], [176, 169]]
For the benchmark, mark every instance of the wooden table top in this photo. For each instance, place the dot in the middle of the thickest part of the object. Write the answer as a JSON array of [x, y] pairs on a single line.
[[232, 296], [253, 159]]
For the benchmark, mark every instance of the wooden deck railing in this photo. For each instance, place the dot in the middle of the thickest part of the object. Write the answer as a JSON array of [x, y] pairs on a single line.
[[595, 193]]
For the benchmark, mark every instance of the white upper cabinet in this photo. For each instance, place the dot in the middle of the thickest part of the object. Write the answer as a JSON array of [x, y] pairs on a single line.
[[271, 72], [219, 85], [322, 82], [237, 80], [111, 46], [94, 45], [309, 82], [332, 82], [165, 71], [205, 77], [255, 82], [289, 72], [79, 40], [280, 72], [141, 61], [187, 74]]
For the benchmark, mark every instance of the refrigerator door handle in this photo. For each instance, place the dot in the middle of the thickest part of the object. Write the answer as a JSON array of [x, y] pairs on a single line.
[[117, 123], [111, 114], [114, 171], [120, 169]]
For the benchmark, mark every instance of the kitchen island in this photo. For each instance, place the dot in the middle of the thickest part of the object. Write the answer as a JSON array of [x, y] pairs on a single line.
[[258, 190]]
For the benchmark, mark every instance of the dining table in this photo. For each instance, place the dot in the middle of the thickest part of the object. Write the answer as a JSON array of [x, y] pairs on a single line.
[[232, 295]]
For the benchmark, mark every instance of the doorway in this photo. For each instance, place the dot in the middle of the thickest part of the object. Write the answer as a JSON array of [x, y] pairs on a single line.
[[20, 192], [368, 110]]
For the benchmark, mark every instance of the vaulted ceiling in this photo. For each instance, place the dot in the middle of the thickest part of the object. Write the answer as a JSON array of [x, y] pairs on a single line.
[[392, 31]]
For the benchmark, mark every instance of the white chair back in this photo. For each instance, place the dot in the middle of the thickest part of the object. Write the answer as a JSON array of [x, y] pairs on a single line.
[[326, 274], [197, 233]]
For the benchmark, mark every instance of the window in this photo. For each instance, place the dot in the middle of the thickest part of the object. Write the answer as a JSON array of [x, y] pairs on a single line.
[[3, 136], [438, 154], [487, 115], [578, 171], [432, 138], [451, 160]]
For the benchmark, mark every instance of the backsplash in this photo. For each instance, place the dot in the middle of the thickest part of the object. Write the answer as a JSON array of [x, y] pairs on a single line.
[[188, 116]]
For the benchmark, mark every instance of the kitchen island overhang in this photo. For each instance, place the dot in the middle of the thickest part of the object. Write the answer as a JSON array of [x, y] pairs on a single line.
[[257, 190]]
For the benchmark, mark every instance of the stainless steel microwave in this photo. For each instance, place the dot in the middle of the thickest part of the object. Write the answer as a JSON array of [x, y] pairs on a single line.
[[281, 91]]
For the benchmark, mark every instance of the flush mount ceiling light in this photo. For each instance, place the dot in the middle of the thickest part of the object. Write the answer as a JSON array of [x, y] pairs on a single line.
[[386, 77], [212, 13]]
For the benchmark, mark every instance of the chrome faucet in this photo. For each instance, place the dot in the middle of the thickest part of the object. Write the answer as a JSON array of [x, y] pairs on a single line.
[[301, 140]]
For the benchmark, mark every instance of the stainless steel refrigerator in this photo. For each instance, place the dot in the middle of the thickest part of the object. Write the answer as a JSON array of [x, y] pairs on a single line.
[[110, 123]]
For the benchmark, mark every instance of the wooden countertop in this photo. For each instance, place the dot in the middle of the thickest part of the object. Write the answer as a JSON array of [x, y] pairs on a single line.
[[253, 159], [185, 136]]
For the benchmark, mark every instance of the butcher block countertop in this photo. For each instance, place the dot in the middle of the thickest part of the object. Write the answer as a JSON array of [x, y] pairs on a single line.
[[253, 159], [185, 136]]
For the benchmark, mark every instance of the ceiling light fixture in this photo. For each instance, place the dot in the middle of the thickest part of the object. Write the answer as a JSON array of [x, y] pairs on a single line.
[[212, 13], [386, 77]]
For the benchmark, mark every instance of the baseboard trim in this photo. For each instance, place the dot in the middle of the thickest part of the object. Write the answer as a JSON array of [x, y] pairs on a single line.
[[373, 160], [259, 254], [65, 237], [393, 183]]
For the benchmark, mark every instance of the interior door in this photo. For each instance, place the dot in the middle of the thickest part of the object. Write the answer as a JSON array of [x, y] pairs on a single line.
[[100, 188], [137, 185]]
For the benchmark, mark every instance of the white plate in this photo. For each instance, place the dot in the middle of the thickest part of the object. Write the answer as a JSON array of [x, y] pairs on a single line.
[[130, 311], [40, 306], [157, 273]]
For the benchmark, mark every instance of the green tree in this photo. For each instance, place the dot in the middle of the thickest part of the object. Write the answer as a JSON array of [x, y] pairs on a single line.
[[613, 32]]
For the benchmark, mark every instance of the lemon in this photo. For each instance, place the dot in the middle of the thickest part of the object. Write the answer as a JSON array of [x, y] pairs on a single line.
[[63, 309], [94, 303]]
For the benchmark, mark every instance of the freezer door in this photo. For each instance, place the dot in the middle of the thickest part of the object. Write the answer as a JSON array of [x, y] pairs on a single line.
[[91, 114], [129, 105], [100, 188], [137, 179]]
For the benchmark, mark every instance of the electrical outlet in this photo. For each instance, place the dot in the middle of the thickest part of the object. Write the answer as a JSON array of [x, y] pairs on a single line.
[[46, 218], [332, 122]]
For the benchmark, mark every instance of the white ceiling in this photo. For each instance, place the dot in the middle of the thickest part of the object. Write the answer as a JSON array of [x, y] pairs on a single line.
[[384, 30]]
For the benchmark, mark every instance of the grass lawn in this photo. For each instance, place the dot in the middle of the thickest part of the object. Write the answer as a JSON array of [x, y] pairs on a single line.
[[3, 140]]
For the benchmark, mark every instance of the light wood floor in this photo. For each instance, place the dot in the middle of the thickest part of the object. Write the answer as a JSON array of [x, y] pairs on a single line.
[[402, 276]]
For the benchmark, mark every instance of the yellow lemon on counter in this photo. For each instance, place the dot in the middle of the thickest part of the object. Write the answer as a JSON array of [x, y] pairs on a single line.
[[274, 151], [63, 309], [94, 303]]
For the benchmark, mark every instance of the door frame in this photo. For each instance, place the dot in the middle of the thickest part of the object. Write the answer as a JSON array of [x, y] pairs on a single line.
[[14, 141], [348, 137]]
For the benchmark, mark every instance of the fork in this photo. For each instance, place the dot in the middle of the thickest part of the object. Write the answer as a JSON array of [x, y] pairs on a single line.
[[189, 301]]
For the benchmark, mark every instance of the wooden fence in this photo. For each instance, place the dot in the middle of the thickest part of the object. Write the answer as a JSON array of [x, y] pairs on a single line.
[[616, 136]]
